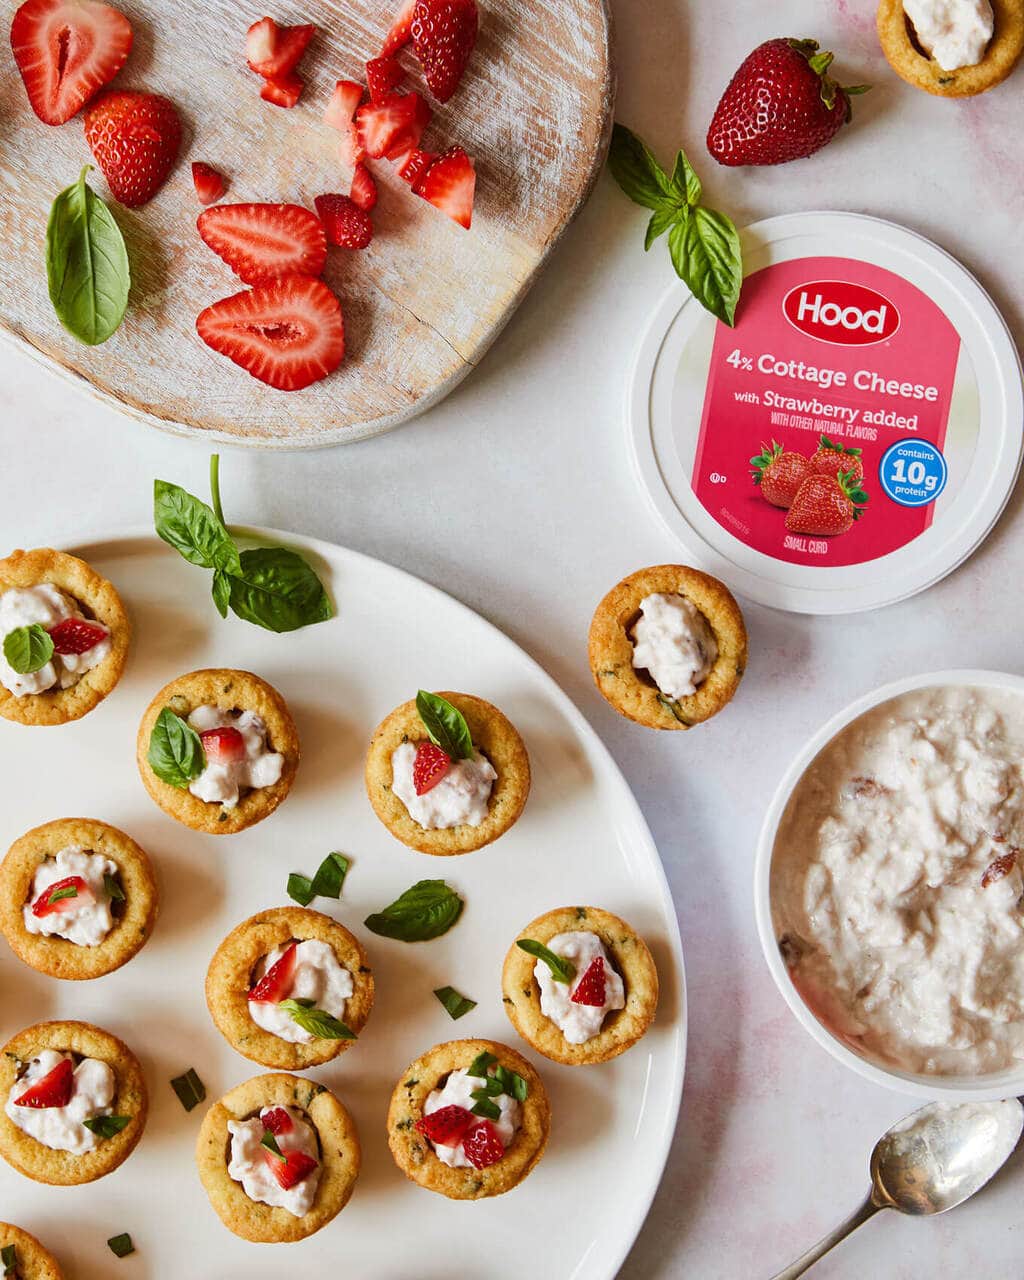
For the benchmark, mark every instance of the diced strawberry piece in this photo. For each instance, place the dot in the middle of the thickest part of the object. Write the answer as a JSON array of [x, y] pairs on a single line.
[[283, 91], [54, 1090], [287, 334], [389, 128], [76, 636], [57, 899], [224, 745], [414, 165], [449, 185], [443, 35], [66, 51], [262, 242], [135, 138], [447, 1126], [272, 51], [209, 184], [277, 1120], [590, 988], [364, 190], [345, 223], [401, 29], [351, 149], [346, 97], [382, 74], [275, 984], [428, 767], [482, 1146], [291, 1170]]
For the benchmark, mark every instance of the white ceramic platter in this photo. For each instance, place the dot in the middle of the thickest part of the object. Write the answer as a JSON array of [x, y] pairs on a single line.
[[582, 839]]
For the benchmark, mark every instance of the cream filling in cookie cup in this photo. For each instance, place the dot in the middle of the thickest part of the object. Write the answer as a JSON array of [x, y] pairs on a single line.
[[955, 33], [317, 976], [458, 1092], [88, 917], [249, 1161], [222, 781], [45, 606], [674, 644], [63, 1128], [577, 1022], [460, 799]]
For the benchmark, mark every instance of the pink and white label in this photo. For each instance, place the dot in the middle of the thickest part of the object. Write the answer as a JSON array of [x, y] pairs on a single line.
[[837, 379]]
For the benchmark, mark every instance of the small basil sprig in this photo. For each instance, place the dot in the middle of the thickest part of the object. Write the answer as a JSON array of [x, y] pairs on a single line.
[[456, 1004], [445, 725], [496, 1081], [175, 752], [703, 243], [28, 649], [107, 1126], [562, 970], [268, 586], [425, 911], [327, 883], [318, 1022]]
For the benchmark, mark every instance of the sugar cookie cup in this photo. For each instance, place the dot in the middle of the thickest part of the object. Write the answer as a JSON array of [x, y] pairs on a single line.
[[629, 956], [98, 601], [31, 1260], [907, 58], [494, 737], [633, 693], [339, 1158], [82, 1039], [134, 912], [415, 1155], [228, 691], [232, 974]]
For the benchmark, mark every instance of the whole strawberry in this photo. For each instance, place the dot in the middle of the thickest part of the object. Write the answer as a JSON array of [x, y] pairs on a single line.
[[135, 138], [779, 472], [825, 506], [780, 105], [831, 458], [443, 36]]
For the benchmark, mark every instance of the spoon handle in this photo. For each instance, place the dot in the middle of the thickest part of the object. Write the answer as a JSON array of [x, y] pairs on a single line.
[[867, 1210]]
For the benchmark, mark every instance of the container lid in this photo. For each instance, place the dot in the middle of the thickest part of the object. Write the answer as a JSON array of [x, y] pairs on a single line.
[[853, 438]]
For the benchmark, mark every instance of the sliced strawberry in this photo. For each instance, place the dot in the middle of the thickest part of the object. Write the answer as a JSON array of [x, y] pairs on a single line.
[[209, 184], [345, 223], [58, 898], [364, 190], [76, 636], [443, 35], [590, 988], [292, 1169], [401, 29], [262, 242], [275, 984], [382, 74], [346, 97], [389, 128], [351, 149], [287, 334], [135, 138], [277, 1120], [429, 767], [414, 164], [449, 185], [446, 1126], [66, 51], [283, 91], [482, 1146], [224, 745], [54, 1090], [272, 51]]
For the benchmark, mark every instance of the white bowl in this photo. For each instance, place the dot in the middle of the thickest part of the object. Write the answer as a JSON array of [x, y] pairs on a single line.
[[1002, 1084]]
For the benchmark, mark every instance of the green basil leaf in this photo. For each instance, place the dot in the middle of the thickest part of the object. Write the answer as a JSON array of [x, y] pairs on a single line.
[[276, 589], [479, 1065], [270, 1142], [445, 725], [330, 876], [175, 752], [189, 1088], [317, 1022], [221, 590], [636, 170], [193, 530], [9, 1259], [661, 221], [484, 1106], [514, 1084], [491, 1088], [706, 254], [456, 1004], [28, 649], [69, 891], [300, 888], [113, 887], [121, 1246], [107, 1126], [87, 269], [561, 969], [685, 180], [425, 911]]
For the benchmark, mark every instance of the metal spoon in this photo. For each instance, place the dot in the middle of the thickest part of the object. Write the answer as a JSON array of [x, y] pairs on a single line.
[[930, 1162]]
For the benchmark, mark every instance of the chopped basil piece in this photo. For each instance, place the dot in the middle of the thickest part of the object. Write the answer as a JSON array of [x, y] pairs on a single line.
[[483, 1106], [28, 649], [455, 1004], [69, 891], [425, 911], [491, 1088], [300, 889], [9, 1258], [113, 887], [512, 1083], [175, 752], [189, 1088], [501, 1080], [121, 1246], [330, 876], [445, 724], [270, 1142], [479, 1065], [317, 1022], [563, 970], [107, 1126]]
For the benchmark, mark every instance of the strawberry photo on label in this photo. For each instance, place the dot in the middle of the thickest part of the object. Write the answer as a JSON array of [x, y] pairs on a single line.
[[135, 138], [830, 458], [262, 242], [443, 36], [826, 506], [779, 472]]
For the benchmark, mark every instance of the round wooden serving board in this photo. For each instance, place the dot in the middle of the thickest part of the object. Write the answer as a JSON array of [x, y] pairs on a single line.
[[422, 304]]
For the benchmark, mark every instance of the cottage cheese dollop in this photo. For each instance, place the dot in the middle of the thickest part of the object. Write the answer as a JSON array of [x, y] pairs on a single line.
[[673, 642], [87, 923], [61, 1128], [896, 882], [459, 799], [248, 1161], [221, 782], [955, 32], [458, 1092], [577, 1022], [317, 976], [46, 605]]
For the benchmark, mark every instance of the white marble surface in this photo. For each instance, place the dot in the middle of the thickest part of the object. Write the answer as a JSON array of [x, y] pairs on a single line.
[[516, 496]]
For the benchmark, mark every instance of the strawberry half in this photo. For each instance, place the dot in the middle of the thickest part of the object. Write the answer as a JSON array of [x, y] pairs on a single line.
[[224, 745], [277, 1120], [345, 223], [287, 334], [275, 984], [54, 1090], [590, 988], [262, 242], [447, 1126], [382, 74], [400, 32], [291, 1167], [272, 51], [66, 51], [135, 138], [390, 127], [482, 1146], [76, 636], [209, 184], [284, 91], [826, 506], [429, 767], [62, 896], [414, 164], [449, 185], [363, 191], [443, 35]]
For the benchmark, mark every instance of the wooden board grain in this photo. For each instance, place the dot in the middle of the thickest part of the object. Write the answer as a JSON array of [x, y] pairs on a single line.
[[422, 304]]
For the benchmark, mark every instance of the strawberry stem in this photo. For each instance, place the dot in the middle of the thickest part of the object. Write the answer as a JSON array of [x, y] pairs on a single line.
[[218, 511]]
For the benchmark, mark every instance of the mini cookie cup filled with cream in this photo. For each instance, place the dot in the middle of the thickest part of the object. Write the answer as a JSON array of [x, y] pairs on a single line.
[[668, 646], [64, 637], [77, 898], [218, 750], [31, 1260], [600, 1006], [962, 47]]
